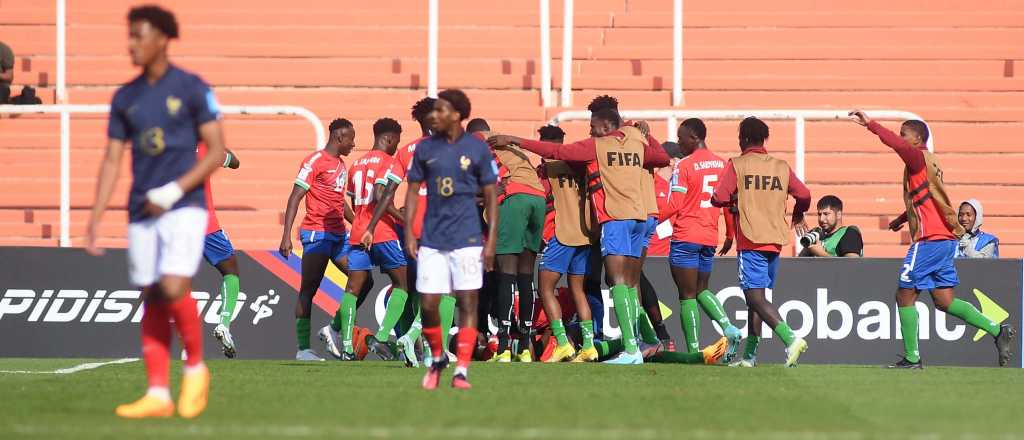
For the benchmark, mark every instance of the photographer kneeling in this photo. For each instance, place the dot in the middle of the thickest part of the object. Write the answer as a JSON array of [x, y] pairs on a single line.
[[831, 238]]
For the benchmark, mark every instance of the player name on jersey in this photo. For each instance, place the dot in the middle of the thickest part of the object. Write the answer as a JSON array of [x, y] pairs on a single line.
[[708, 164]]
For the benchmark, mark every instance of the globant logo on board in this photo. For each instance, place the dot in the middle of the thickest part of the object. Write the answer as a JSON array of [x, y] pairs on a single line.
[[101, 306], [868, 320]]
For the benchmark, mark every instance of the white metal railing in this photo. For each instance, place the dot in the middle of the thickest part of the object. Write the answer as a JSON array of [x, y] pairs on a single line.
[[798, 116], [432, 25], [65, 145], [677, 53], [545, 52]]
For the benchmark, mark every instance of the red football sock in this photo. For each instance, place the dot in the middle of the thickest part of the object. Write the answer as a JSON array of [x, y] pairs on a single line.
[[433, 335], [156, 343], [186, 319], [466, 343]]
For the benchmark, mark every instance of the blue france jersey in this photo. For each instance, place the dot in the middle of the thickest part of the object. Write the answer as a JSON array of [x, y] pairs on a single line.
[[453, 173], [162, 122]]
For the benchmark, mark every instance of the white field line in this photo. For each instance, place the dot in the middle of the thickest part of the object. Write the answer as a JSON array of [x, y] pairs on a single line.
[[75, 369]]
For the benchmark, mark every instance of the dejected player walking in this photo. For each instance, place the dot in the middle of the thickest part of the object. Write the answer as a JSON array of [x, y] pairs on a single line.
[[164, 113], [455, 166]]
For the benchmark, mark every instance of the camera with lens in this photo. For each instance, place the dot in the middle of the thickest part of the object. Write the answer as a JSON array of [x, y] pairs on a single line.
[[811, 237]]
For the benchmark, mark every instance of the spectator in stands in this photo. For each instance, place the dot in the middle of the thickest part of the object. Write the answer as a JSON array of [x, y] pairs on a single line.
[[6, 72], [975, 243], [831, 238], [28, 94]]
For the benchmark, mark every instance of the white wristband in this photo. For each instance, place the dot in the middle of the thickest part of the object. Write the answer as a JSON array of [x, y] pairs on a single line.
[[227, 160], [165, 196]]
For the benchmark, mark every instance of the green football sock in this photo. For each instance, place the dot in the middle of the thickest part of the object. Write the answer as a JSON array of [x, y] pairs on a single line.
[[785, 333], [412, 309], [634, 311], [558, 330], [229, 297], [621, 302], [587, 331], [673, 357], [393, 311], [447, 311], [689, 318], [302, 332], [908, 328], [713, 307], [336, 321], [647, 333], [750, 350], [347, 310], [415, 329], [609, 348], [965, 311]]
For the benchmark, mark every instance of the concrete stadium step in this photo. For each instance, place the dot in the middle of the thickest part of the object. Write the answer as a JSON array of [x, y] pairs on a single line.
[[589, 43], [697, 15], [794, 6]]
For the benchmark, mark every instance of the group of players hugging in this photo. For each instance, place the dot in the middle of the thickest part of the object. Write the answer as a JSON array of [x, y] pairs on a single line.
[[477, 215]]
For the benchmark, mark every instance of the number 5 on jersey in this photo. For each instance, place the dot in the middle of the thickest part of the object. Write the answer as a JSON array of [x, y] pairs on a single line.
[[709, 189]]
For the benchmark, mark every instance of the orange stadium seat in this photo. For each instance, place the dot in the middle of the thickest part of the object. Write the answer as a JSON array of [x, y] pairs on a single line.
[[367, 60]]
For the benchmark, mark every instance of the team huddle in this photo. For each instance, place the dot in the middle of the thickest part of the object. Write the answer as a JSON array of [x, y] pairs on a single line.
[[480, 215]]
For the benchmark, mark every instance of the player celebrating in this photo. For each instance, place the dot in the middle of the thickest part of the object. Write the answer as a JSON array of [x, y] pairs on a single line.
[[521, 213], [761, 196], [164, 113], [385, 251], [642, 298], [935, 230], [567, 234], [321, 181], [616, 157], [219, 253], [695, 235], [455, 166]]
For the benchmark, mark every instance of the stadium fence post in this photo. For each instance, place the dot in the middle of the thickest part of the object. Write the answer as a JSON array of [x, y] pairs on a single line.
[[432, 50], [567, 55], [65, 129], [545, 52], [677, 54]]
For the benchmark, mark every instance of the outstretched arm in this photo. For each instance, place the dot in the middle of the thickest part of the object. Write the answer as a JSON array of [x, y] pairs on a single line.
[[911, 156], [581, 151]]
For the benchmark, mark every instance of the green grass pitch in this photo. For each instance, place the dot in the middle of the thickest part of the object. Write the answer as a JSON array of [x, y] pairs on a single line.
[[283, 399]]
